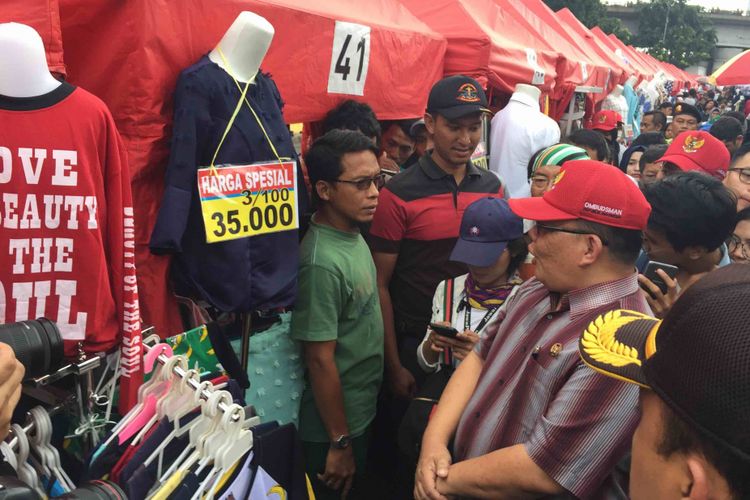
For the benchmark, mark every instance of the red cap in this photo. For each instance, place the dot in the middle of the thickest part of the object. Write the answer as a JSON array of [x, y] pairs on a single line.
[[698, 150], [606, 120], [589, 190]]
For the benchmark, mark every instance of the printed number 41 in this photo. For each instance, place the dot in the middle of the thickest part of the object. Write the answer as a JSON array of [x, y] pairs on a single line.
[[342, 63]]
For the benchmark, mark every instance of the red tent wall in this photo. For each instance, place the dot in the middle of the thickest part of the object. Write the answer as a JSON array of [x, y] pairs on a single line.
[[130, 54], [619, 67], [601, 73], [44, 17], [617, 52], [485, 43]]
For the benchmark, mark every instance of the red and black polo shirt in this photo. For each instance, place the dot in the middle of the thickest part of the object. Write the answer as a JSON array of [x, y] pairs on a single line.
[[418, 217]]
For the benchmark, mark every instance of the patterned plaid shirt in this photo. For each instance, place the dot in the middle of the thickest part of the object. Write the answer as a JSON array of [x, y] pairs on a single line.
[[535, 390]]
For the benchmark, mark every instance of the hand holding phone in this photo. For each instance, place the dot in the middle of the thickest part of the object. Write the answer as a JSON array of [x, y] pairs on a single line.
[[660, 287], [655, 278], [444, 330]]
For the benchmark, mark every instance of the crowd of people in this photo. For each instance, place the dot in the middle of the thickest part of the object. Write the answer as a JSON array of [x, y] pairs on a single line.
[[585, 341], [447, 329]]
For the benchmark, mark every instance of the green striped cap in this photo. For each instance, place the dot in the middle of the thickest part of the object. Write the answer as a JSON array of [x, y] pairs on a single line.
[[558, 154]]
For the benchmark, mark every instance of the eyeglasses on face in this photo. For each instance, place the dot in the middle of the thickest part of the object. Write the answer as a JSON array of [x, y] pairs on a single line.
[[364, 184], [569, 231], [743, 173], [735, 241], [540, 181]]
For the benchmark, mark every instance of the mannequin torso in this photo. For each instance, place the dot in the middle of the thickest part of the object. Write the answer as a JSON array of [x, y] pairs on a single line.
[[23, 64], [244, 46], [529, 91]]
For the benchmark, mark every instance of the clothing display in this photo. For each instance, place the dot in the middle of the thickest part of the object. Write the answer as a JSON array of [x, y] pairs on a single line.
[[518, 131], [163, 459], [633, 115], [276, 373], [67, 218], [242, 275], [338, 301], [66, 214]]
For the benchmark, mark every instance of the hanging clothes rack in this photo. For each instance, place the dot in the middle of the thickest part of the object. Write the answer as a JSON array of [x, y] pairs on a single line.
[[30, 426], [203, 393]]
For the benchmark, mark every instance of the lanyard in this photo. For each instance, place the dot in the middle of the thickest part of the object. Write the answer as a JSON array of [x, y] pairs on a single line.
[[243, 98], [467, 316]]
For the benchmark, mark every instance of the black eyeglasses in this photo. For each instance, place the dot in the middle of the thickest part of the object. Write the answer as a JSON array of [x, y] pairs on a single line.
[[364, 184], [570, 231], [735, 241], [743, 172]]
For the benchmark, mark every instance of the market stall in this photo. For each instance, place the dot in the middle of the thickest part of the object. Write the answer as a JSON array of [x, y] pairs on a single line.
[[131, 53]]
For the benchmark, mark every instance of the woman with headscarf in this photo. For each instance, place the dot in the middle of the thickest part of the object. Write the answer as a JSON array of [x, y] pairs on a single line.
[[630, 163]]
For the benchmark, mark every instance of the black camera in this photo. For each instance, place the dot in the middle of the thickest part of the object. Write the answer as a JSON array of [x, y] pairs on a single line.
[[37, 344], [12, 488]]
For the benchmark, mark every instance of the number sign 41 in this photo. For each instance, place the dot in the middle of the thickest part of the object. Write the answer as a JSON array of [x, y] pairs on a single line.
[[350, 59]]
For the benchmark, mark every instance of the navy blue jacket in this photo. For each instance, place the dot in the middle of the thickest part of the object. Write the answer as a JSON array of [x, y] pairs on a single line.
[[240, 275]]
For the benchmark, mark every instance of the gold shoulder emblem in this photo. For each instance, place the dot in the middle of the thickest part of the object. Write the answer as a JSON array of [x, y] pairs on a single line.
[[600, 340]]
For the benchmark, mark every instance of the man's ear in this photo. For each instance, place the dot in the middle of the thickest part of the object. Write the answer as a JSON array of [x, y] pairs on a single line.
[[695, 481], [593, 250], [429, 123], [323, 189], [694, 252]]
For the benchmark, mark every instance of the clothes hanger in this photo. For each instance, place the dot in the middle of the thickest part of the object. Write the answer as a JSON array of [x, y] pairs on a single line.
[[167, 376], [148, 395], [26, 472], [237, 441], [208, 420], [41, 439], [175, 412]]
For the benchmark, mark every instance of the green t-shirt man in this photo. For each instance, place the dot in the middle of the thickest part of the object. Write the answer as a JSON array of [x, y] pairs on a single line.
[[337, 299]]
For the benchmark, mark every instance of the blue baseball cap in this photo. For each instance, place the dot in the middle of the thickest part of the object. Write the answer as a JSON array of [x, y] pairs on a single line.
[[487, 226]]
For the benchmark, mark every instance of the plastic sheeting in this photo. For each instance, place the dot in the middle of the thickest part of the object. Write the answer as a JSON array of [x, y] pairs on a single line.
[[44, 17], [130, 54]]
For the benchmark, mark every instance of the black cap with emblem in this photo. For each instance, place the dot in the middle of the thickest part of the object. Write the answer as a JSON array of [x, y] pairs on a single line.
[[457, 96], [697, 360]]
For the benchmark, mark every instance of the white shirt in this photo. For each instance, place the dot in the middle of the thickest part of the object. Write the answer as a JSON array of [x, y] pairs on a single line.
[[518, 131]]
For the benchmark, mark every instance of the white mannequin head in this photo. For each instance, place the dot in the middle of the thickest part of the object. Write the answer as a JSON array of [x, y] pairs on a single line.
[[244, 46], [631, 80], [529, 90], [23, 63]]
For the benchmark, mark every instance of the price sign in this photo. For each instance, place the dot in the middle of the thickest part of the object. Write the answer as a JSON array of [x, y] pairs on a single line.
[[531, 58], [349, 59], [584, 71], [248, 200], [479, 157]]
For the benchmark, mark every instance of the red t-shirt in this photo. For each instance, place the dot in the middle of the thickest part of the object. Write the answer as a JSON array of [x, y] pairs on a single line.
[[67, 241]]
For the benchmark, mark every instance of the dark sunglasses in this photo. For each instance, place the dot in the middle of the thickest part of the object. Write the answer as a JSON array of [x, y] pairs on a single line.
[[570, 231], [364, 184]]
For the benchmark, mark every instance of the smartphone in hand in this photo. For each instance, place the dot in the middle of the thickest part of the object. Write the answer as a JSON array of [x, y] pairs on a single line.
[[444, 330], [650, 273]]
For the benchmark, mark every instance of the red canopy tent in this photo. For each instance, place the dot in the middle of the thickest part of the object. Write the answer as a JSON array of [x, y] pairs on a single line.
[[486, 43], [601, 71], [635, 66], [44, 17], [130, 55], [569, 22], [576, 67]]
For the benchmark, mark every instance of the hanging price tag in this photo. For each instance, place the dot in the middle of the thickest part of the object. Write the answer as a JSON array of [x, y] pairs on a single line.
[[349, 59], [531, 58], [248, 200]]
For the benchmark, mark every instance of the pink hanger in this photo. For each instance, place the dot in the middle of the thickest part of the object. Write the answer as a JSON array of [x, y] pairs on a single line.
[[149, 405]]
